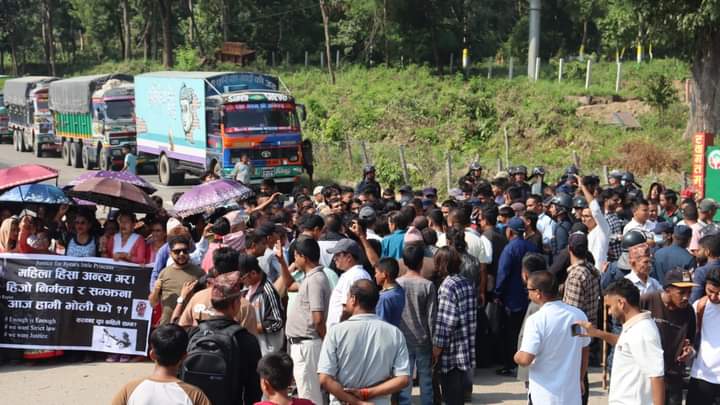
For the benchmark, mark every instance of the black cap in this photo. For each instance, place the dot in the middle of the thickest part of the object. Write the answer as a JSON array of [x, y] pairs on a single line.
[[406, 189]]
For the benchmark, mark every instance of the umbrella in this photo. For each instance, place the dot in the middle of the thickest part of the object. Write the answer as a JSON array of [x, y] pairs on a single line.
[[25, 174], [35, 194], [122, 176], [114, 193], [210, 195]]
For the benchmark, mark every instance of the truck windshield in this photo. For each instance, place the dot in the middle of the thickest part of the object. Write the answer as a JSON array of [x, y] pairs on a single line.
[[42, 103], [119, 109], [248, 117]]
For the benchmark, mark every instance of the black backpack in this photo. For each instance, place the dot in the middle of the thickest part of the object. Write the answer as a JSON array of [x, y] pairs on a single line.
[[212, 360]]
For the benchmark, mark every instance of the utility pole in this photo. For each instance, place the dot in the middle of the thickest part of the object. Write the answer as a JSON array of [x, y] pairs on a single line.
[[534, 37]]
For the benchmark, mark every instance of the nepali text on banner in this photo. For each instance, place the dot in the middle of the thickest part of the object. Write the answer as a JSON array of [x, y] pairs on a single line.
[[59, 302]]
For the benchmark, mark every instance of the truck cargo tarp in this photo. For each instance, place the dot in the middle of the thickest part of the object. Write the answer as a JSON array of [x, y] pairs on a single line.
[[74, 95], [17, 90]]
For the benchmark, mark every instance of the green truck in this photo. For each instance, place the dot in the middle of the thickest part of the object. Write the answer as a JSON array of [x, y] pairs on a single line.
[[29, 120], [94, 117]]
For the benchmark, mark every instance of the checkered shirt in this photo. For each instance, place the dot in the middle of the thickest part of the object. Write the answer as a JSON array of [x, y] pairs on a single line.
[[455, 324], [616, 230]]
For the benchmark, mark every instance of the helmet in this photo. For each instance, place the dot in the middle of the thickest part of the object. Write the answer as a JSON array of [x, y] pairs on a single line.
[[617, 174], [368, 169], [538, 171], [580, 202], [475, 166], [571, 170], [631, 239], [562, 201], [512, 170], [521, 170], [628, 177]]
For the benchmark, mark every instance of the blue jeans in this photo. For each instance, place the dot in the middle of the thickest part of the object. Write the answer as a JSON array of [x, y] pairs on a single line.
[[423, 359]]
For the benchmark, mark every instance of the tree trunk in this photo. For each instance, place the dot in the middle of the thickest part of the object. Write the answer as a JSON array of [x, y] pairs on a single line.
[[323, 11], [583, 42], [704, 113], [147, 34], [224, 19], [385, 34], [126, 29], [13, 56], [50, 41], [166, 16]]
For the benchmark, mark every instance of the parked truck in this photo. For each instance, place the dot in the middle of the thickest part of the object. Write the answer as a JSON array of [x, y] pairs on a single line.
[[5, 133], [94, 118], [203, 121], [29, 119]]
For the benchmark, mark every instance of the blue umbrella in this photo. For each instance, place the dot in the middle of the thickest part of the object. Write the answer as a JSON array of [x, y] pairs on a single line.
[[35, 194]]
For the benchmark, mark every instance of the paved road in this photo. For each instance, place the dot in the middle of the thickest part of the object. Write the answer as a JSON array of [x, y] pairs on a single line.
[[96, 383], [9, 157]]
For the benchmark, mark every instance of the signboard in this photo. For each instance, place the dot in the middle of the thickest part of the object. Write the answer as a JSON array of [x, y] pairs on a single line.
[[700, 143], [65, 303], [712, 175]]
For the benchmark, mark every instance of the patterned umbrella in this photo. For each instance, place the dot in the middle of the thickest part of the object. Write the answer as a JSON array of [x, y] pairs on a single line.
[[25, 174], [114, 193], [122, 176], [211, 195], [35, 194]]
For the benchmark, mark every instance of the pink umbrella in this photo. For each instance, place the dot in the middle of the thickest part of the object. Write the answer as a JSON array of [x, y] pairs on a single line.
[[25, 174]]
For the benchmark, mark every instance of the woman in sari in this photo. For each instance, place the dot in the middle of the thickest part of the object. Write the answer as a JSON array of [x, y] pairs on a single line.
[[9, 235], [126, 245]]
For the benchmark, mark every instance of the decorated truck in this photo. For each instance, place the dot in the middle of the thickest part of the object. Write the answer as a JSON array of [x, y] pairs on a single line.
[[29, 120], [5, 133], [94, 117], [195, 122]]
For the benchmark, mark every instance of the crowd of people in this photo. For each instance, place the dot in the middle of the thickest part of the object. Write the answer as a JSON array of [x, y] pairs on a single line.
[[347, 294]]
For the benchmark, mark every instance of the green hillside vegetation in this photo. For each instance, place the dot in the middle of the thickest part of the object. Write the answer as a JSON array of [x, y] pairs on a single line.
[[432, 114]]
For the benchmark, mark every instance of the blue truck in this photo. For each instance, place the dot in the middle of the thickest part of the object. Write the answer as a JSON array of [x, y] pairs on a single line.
[[195, 122]]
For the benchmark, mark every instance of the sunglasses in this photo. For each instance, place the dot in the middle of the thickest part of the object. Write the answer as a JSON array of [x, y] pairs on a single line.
[[180, 251]]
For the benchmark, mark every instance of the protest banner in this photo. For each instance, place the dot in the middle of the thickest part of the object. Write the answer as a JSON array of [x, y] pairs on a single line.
[[68, 303]]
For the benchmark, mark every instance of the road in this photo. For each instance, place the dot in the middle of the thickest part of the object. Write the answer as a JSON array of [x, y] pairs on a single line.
[[96, 383], [9, 157]]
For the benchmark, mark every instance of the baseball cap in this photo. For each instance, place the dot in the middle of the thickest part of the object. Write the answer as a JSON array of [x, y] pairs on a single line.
[[226, 286], [317, 190], [430, 191], [516, 224], [347, 246], [457, 194], [707, 205], [663, 227], [406, 189], [367, 213], [413, 235], [679, 277], [578, 244], [683, 231]]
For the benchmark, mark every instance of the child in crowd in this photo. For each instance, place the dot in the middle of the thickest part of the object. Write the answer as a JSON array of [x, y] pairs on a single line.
[[276, 372], [392, 297]]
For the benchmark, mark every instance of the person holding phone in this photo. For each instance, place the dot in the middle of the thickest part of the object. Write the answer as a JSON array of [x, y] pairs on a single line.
[[556, 357]]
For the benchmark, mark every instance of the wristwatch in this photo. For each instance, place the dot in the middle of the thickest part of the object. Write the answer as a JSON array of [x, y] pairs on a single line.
[[180, 300]]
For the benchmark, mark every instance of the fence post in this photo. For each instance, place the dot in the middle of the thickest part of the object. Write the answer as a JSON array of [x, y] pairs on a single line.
[[537, 68], [273, 58], [448, 168], [617, 77], [452, 63], [402, 61], [349, 151], [576, 159], [588, 71], [499, 164], [510, 69], [337, 59], [306, 59], [322, 60], [287, 58], [490, 69], [507, 148], [560, 70], [606, 175], [403, 163], [366, 158]]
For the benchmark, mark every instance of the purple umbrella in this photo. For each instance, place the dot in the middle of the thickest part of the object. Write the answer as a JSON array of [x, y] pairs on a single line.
[[123, 176], [211, 195]]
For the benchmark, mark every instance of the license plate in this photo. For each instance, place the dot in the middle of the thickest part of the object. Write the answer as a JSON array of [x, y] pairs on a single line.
[[267, 173]]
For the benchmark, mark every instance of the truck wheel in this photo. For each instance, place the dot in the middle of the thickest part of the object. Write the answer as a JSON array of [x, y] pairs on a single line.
[[23, 147], [168, 172], [76, 155], [86, 162], [16, 140], [66, 152], [37, 148], [105, 162]]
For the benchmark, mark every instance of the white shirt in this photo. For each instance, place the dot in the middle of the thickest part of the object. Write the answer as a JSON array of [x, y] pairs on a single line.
[[647, 228], [370, 234], [638, 356], [478, 245], [599, 237], [546, 226], [706, 366], [555, 373], [651, 285], [339, 295]]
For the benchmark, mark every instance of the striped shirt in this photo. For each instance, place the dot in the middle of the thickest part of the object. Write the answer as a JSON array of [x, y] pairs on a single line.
[[455, 324]]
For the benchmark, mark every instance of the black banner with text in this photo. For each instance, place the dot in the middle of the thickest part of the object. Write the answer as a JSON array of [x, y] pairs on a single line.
[[59, 302]]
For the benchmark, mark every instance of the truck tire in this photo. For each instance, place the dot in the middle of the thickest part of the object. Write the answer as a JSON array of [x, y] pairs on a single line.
[[16, 140], [168, 173], [37, 148], [23, 147], [76, 155], [66, 151], [87, 163]]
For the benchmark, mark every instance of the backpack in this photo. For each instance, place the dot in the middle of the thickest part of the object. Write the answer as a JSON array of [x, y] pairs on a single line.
[[212, 357]]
